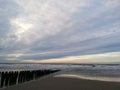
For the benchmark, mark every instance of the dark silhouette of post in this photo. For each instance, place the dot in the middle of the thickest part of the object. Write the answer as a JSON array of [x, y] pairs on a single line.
[[2, 79], [9, 78]]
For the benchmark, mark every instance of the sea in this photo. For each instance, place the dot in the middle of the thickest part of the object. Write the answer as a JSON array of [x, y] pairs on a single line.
[[101, 72]]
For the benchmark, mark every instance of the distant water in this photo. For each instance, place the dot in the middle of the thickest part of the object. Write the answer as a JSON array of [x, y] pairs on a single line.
[[102, 72], [19, 67]]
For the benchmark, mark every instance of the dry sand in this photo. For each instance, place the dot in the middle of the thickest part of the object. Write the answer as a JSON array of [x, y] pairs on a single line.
[[62, 83]]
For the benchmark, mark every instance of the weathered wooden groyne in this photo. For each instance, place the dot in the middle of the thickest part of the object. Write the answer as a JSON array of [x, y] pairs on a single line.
[[8, 78]]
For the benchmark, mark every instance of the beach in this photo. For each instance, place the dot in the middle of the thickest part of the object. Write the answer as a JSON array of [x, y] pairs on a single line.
[[70, 77], [59, 44], [64, 83]]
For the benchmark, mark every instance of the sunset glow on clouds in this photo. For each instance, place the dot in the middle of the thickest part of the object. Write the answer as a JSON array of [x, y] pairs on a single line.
[[37, 30], [96, 58]]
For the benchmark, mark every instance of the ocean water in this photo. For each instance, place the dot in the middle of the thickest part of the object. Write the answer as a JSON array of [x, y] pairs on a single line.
[[20, 67], [103, 72]]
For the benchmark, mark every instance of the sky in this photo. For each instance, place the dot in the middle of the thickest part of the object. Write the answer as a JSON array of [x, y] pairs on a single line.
[[59, 31]]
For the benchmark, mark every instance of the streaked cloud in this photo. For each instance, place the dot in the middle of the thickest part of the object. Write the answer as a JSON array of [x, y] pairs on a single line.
[[96, 58], [49, 29]]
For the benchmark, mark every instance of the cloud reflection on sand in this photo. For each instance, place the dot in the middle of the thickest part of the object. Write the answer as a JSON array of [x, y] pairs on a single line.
[[79, 76]]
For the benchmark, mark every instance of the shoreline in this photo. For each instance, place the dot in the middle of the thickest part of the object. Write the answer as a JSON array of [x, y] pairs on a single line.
[[78, 76]]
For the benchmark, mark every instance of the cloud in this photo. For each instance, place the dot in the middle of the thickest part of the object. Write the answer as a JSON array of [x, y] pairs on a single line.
[[96, 58], [47, 29], [44, 19]]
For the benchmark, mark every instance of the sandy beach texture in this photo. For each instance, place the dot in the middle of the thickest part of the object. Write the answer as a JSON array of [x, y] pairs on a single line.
[[62, 83]]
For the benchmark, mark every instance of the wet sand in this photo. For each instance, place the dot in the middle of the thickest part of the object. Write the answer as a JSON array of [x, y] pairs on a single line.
[[63, 83]]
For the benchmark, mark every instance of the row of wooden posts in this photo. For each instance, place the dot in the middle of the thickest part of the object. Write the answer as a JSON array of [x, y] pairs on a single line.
[[8, 78]]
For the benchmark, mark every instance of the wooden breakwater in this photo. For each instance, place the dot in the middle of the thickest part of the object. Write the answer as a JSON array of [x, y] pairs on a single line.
[[9, 78]]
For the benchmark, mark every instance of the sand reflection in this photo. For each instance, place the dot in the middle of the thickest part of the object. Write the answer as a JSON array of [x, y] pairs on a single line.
[[79, 76]]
